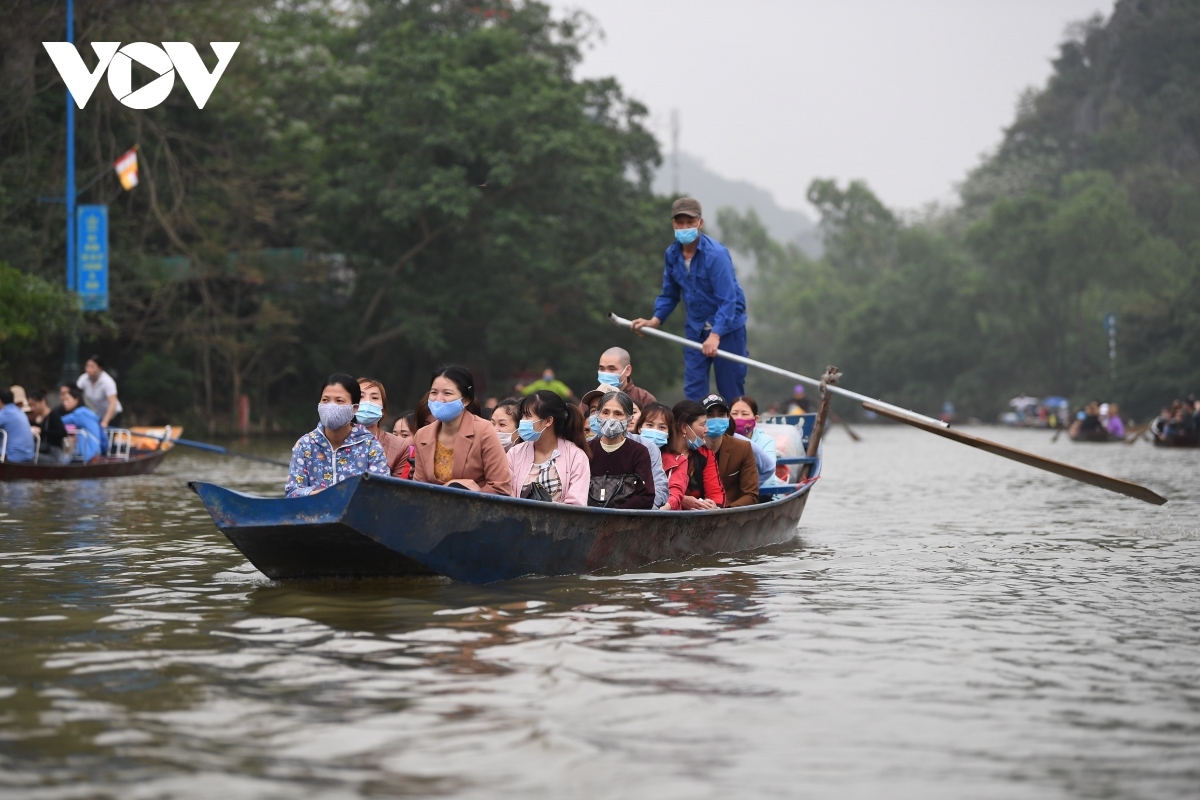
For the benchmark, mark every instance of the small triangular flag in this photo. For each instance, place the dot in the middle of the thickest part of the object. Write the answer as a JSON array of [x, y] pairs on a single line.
[[126, 167]]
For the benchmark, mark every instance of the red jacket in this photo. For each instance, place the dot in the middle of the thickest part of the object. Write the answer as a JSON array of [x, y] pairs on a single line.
[[678, 479]]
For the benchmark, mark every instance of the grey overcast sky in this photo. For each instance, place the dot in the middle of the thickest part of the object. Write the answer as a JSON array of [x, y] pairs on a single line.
[[906, 95]]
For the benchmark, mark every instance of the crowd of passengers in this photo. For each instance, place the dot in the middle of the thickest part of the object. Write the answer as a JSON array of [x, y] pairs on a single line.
[[1180, 419], [74, 430], [617, 448]]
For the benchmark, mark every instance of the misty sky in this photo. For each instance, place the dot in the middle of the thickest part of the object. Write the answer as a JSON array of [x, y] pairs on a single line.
[[906, 95]]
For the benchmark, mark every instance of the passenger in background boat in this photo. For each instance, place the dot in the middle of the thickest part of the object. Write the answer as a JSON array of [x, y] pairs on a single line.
[[621, 476], [735, 455], [505, 418], [459, 448], [550, 452], [1088, 422], [100, 392], [547, 382], [1115, 425], [637, 415], [21, 401], [799, 403], [744, 413], [704, 487], [591, 402], [338, 448], [90, 439], [49, 426], [16, 425], [372, 405]]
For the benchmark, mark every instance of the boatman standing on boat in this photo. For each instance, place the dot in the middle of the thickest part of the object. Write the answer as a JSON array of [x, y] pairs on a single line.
[[698, 270]]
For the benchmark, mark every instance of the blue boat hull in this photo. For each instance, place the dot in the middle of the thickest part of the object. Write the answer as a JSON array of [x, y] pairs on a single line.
[[373, 526]]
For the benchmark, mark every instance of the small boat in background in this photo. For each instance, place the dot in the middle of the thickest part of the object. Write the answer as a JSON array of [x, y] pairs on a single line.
[[123, 458], [1096, 436], [145, 437]]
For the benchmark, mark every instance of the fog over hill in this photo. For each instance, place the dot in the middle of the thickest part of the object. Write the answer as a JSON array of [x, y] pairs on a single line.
[[715, 192]]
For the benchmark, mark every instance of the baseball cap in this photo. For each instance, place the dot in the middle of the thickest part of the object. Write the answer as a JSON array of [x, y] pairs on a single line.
[[599, 391], [714, 400], [686, 205]]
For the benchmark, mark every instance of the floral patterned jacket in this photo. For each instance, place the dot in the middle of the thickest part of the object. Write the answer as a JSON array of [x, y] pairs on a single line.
[[316, 466]]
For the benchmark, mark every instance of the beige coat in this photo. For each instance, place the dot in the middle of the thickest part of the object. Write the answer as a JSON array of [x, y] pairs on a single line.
[[478, 455]]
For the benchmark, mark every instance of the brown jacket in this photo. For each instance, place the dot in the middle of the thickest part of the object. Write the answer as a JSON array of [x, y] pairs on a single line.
[[739, 473], [395, 450], [478, 455]]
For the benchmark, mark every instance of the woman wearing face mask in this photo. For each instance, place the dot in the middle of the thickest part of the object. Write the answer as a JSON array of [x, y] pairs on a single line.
[[505, 418], [338, 448], [551, 451], [459, 448], [621, 474], [735, 456], [704, 488], [744, 414], [657, 428], [371, 408]]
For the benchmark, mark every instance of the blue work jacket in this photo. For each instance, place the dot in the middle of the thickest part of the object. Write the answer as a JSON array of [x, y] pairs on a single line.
[[710, 292]]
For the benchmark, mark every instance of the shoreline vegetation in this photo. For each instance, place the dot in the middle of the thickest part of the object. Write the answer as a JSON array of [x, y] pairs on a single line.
[[413, 182]]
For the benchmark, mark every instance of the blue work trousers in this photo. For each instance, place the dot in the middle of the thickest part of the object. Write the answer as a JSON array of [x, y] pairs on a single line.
[[730, 375]]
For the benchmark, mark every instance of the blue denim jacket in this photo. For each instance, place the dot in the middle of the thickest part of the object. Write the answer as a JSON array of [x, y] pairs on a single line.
[[315, 465], [709, 290]]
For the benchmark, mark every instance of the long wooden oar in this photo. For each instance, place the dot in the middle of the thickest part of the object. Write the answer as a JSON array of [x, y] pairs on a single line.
[[1137, 432], [861, 398], [216, 448], [849, 430], [938, 427]]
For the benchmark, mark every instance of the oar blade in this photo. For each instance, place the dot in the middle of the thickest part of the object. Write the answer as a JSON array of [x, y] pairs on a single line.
[[1134, 490]]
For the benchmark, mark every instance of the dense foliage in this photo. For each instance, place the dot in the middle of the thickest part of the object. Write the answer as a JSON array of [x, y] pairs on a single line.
[[381, 186], [374, 190], [1091, 205]]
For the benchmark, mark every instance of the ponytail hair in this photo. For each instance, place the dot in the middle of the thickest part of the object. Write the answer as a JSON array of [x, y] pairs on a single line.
[[568, 424], [464, 380]]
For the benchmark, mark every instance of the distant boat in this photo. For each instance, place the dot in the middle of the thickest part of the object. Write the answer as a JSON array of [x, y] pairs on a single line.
[[1095, 436], [1180, 439], [123, 459]]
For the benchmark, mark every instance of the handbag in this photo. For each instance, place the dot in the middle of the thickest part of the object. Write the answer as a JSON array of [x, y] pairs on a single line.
[[537, 491], [606, 491]]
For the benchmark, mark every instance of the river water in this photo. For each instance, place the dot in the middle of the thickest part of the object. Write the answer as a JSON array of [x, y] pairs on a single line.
[[948, 625]]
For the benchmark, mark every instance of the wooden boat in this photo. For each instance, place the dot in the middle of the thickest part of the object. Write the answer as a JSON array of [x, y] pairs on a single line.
[[139, 462], [376, 526], [1097, 436], [1182, 439], [131, 452], [148, 437]]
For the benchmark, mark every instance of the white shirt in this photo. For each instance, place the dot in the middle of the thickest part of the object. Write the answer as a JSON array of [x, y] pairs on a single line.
[[97, 394]]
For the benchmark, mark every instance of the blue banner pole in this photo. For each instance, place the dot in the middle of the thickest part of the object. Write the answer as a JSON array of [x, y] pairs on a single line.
[[70, 367]]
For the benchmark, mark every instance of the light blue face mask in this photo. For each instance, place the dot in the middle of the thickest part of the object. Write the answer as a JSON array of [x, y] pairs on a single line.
[[659, 438], [695, 444], [594, 424], [612, 379], [686, 235], [446, 412], [369, 413], [527, 432], [716, 426]]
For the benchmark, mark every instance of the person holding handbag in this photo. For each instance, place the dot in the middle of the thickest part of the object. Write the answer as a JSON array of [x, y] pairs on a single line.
[[621, 475], [550, 462]]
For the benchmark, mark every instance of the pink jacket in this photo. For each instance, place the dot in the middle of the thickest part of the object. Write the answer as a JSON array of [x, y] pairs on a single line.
[[574, 469]]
